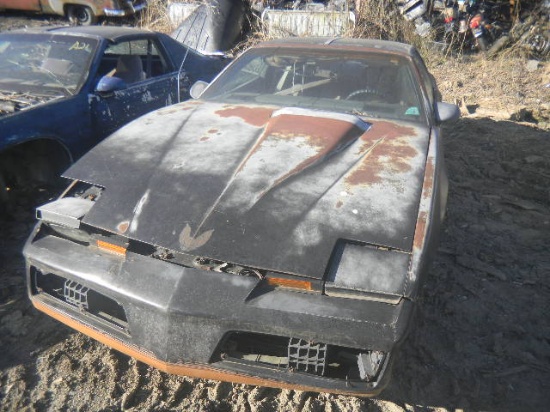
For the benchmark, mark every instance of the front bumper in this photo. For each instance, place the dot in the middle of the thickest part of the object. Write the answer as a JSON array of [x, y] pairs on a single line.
[[177, 319], [130, 10]]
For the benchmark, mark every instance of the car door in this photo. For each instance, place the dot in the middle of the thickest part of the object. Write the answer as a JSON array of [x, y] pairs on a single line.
[[150, 83], [30, 5]]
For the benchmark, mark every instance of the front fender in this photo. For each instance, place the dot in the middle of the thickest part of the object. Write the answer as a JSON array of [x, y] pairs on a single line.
[[64, 120], [58, 6]]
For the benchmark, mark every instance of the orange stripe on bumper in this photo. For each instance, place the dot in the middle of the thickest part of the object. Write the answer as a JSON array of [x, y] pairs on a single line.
[[195, 371]]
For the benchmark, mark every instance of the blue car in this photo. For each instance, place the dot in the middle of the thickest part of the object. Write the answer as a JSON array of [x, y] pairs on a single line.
[[64, 89]]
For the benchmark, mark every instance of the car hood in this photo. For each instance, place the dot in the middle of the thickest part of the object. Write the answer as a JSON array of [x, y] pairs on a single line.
[[14, 102], [259, 186]]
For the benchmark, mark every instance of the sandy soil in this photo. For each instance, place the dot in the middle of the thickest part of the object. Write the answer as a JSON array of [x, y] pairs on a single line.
[[482, 336]]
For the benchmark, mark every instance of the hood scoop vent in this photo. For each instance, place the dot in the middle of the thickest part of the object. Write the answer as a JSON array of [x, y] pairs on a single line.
[[298, 139]]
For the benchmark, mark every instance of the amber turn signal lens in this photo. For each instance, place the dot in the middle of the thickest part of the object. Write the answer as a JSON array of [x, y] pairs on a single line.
[[109, 247], [290, 283]]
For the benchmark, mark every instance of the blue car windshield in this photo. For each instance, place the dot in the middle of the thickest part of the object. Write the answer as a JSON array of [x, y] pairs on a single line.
[[362, 83], [44, 63]]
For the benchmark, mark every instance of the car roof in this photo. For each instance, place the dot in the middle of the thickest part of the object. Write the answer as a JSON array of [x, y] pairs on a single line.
[[112, 33], [341, 43]]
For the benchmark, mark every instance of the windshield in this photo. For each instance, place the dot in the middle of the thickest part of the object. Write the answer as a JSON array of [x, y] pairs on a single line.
[[366, 84], [44, 63]]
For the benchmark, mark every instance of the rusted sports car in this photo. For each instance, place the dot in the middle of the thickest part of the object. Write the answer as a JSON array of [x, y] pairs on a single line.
[[275, 231], [83, 12]]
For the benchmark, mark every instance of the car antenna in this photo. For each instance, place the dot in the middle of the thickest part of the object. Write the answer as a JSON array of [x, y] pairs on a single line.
[[187, 51]]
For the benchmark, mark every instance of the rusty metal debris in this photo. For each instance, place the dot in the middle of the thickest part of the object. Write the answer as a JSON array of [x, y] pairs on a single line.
[[306, 18], [488, 26], [447, 25], [215, 26]]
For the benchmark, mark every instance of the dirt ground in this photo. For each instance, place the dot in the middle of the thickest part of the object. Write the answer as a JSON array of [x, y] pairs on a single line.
[[482, 336]]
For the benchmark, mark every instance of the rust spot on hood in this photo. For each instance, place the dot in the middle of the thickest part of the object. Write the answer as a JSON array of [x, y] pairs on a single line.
[[385, 148], [320, 132], [255, 116], [122, 227], [205, 137], [172, 110], [165, 112], [325, 135]]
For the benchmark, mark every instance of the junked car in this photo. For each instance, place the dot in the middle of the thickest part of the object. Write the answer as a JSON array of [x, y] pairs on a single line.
[[84, 12], [62, 90], [276, 231]]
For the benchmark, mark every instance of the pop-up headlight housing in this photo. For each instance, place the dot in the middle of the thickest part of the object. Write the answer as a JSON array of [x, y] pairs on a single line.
[[67, 211], [368, 272], [64, 216]]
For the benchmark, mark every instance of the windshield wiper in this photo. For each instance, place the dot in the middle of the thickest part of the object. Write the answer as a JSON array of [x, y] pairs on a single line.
[[56, 79]]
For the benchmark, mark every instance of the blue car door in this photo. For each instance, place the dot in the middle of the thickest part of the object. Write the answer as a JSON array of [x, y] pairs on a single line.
[[149, 82]]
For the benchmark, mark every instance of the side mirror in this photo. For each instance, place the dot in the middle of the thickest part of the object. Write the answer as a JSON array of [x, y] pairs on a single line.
[[197, 89], [447, 112], [108, 84]]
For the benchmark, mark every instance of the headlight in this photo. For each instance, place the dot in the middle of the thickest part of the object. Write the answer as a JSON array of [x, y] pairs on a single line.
[[368, 272]]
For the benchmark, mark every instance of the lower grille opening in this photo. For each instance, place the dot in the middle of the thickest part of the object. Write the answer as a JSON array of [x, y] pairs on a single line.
[[303, 356], [81, 297]]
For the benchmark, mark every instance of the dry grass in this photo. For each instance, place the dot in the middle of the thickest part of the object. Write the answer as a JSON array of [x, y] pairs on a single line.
[[381, 20], [155, 16]]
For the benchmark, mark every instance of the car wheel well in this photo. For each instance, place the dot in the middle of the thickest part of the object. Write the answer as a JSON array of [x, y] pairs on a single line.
[[36, 161]]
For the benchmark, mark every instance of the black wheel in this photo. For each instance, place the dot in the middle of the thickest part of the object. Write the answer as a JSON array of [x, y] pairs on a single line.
[[482, 43], [81, 15]]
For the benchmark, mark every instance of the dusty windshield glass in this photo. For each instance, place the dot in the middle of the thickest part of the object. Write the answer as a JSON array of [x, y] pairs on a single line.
[[42, 63], [368, 84]]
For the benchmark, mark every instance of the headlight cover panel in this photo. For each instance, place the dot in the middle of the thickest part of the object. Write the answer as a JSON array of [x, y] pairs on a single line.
[[368, 272]]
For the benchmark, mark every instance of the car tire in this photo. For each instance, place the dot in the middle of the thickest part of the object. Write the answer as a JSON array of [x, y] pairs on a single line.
[[43, 171], [482, 43], [81, 15]]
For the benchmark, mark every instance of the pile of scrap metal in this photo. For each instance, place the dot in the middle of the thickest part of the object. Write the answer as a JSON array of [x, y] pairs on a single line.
[[481, 25], [215, 26], [531, 33], [283, 18], [211, 27]]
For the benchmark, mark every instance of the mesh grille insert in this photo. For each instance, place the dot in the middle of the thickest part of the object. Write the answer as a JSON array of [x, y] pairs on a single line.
[[307, 356]]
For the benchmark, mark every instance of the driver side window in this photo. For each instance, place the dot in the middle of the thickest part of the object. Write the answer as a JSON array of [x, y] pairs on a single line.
[[133, 61]]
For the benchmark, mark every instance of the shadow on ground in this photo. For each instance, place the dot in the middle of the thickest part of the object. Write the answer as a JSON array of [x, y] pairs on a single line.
[[482, 340]]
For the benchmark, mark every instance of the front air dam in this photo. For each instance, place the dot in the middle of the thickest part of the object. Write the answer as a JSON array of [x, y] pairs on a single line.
[[194, 371]]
